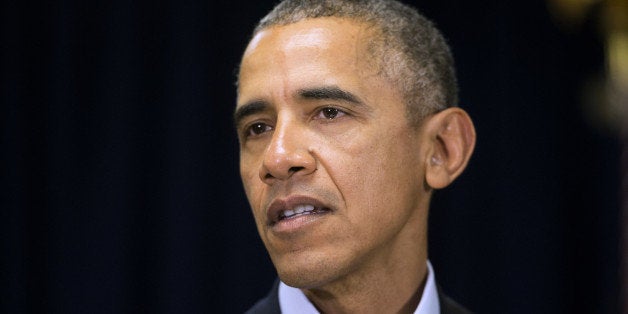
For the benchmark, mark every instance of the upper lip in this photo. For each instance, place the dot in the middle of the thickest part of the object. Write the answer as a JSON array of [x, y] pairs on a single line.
[[280, 204]]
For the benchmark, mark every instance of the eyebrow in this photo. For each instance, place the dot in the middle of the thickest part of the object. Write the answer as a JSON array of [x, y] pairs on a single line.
[[330, 93], [250, 108]]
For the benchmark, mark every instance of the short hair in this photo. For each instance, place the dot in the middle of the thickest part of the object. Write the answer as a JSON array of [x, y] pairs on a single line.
[[414, 55]]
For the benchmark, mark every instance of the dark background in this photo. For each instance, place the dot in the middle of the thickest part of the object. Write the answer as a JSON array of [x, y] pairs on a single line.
[[119, 163]]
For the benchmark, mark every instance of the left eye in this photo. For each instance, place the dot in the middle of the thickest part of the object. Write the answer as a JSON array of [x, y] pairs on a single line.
[[330, 113]]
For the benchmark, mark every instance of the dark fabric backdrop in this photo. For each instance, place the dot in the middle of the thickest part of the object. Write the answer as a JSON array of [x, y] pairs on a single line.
[[119, 163]]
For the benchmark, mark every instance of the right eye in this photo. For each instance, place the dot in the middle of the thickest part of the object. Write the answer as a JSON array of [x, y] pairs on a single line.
[[258, 128]]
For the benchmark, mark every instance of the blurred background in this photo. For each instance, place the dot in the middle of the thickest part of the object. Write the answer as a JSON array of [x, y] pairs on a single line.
[[119, 177]]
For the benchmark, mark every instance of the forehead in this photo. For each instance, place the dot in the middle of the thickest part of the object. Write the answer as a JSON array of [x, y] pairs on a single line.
[[327, 50], [311, 33]]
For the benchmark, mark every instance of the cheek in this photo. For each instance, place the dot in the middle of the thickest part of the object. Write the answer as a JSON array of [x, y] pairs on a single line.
[[377, 176], [253, 186], [249, 167], [363, 157], [255, 196]]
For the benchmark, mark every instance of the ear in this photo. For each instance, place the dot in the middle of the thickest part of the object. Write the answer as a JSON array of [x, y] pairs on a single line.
[[451, 139]]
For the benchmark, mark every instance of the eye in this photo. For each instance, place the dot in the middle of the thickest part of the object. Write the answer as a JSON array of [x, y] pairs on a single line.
[[330, 113], [257, 129]]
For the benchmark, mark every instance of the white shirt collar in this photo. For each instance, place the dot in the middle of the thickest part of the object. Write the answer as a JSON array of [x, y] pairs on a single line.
[[293, 300]]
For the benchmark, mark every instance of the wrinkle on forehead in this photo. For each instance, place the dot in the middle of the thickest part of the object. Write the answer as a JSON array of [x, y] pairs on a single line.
[[313, 37]]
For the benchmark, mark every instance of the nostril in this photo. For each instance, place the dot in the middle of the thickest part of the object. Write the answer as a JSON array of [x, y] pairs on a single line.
[[295, 169]]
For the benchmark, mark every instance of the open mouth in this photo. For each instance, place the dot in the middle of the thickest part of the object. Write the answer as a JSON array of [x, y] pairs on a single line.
[[294, 209], [300, 210]]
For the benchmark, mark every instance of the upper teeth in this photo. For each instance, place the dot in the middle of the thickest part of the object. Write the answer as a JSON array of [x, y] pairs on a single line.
[[299, 209]]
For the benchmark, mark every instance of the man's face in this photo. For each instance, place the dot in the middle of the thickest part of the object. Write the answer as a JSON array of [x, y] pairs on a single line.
[[333, 171]]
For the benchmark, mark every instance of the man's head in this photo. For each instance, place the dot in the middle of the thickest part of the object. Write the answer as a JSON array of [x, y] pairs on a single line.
[[338, 178]]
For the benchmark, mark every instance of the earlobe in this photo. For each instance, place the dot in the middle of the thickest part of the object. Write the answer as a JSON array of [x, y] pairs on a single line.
[[451, 136]]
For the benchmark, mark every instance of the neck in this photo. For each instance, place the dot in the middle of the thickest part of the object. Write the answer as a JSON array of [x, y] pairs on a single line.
[[386, 286]]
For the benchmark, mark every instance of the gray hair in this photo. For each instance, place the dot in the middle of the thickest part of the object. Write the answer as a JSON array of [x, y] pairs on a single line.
[[413, 54]]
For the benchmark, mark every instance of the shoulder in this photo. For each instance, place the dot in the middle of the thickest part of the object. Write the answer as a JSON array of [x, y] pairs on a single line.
[[449, 306], [269, 304]]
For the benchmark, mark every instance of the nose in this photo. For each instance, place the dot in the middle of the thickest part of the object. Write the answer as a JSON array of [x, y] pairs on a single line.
[[287, 154]]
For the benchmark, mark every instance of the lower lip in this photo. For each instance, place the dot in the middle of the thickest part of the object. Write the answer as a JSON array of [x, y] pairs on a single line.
[[297, 223]]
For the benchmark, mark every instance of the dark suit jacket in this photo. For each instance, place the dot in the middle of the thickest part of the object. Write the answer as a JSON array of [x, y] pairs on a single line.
[[270, 303]]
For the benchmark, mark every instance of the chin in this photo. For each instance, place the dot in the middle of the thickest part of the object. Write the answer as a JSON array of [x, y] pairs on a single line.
[[307, 272]]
